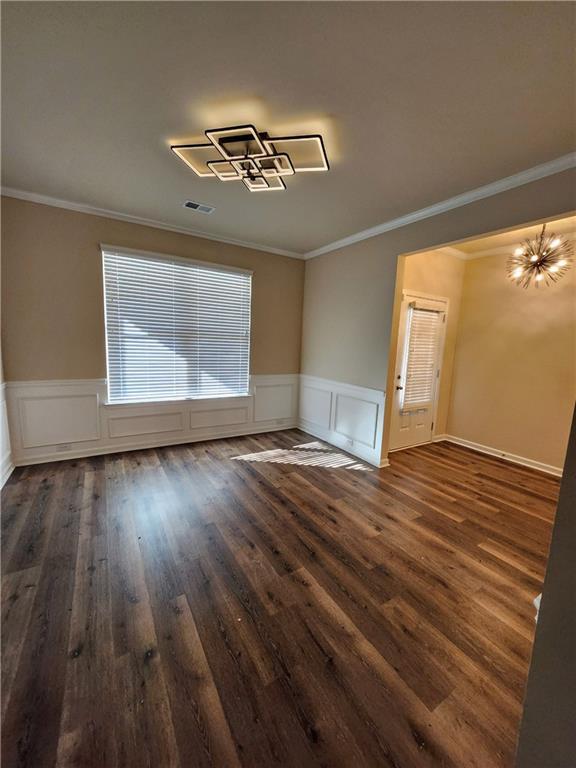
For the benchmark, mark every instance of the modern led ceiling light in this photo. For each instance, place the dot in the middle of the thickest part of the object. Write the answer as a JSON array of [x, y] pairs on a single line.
[[541, 261], [241, 153]]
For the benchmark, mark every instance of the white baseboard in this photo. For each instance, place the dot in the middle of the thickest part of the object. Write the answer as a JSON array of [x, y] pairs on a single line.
[[58, 420], [344, 415], [548, 468], [209, 434], [6, 469]]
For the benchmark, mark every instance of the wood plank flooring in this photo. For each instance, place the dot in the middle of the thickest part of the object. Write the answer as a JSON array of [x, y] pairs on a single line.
[[268, 601]]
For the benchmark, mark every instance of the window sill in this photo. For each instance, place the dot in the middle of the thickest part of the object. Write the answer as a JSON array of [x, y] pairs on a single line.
[[183, 401]]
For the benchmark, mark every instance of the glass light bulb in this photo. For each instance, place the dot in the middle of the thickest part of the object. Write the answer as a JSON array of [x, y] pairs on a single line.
[[518, 272], [519, 252], [555, 243], [553, 269], [562, 263], [534, 257], [538, 278]]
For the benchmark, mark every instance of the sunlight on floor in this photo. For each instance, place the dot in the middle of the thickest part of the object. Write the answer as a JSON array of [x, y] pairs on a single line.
[[314, 454]]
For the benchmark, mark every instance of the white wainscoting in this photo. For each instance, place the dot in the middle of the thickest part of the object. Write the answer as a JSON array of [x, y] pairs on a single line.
[[6, 465], [53, 420], [345, 415]]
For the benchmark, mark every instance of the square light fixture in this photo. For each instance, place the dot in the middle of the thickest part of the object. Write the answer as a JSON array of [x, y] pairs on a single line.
[[197, 157], [246, 167], [255, 183], [257, 159], [275, 165], [261, 184], [307, 153], [238, 142], [224, 170]]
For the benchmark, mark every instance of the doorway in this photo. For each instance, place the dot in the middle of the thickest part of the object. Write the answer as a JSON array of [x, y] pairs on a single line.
[[418, 369], [505, 375]]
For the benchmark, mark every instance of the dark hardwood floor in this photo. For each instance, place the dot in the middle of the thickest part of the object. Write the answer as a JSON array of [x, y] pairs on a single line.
[[246, 602]]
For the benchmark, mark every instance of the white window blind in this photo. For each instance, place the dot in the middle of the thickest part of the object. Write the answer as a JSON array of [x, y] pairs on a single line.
[[421, 356], [175, 329]]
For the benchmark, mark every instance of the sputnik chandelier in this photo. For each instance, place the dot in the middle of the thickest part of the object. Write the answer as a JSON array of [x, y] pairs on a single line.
[[259, 161], [541, 261]]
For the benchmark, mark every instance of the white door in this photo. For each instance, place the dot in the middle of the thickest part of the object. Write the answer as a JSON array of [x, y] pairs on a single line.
[[416, 382]]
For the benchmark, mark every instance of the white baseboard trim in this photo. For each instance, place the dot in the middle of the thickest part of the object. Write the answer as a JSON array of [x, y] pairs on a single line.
[[6, 469], [522, 460], [211, 434]]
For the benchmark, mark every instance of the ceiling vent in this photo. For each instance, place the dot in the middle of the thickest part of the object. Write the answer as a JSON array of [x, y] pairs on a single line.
[[199, 207]]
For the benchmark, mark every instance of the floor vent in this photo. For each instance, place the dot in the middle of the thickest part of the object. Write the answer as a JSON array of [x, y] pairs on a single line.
[[200, 207]]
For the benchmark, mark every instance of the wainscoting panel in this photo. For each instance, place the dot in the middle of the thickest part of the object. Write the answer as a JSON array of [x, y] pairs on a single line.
[[53, 420], [219, 417], [274, 398], [316, 405], [344, 415], [356, 419], [152, 424]]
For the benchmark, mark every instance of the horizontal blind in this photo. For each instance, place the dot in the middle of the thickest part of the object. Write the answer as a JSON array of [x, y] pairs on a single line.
[[421, 356], [175, 330]]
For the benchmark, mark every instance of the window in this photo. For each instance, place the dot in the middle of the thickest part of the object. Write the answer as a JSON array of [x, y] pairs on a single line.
[[421, 356], [175, 328]]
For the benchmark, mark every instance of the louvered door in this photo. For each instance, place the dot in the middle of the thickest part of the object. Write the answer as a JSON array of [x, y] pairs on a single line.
[[420, 342]]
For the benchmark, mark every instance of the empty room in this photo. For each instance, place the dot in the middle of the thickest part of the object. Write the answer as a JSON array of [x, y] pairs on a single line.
[[288, 479]]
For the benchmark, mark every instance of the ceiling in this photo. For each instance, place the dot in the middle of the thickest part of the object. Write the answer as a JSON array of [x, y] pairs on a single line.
[[503, 243], [417, 103]]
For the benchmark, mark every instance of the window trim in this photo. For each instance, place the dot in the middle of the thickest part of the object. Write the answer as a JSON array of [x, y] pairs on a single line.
[[154, 255]]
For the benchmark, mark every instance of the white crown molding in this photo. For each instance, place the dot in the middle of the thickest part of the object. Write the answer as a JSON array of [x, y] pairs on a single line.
[[564, 163], [502, 250], [450, 250], [33, 197]]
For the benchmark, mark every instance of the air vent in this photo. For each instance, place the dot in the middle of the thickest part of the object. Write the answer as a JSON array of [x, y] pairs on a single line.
[[200, 207]]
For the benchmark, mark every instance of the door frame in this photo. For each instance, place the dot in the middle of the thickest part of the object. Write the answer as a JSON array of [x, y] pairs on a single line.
[[409, 295]]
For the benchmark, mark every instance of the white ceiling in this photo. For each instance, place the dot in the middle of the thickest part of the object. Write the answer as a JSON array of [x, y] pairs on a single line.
[[417, 102]]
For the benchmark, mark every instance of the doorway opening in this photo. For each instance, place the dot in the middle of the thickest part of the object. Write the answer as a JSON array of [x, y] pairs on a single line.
[[481, 360]]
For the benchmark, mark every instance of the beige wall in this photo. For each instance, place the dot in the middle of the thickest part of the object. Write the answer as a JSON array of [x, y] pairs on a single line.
[[514, 380], [509, 367], [349, 298], [439, 274], [52, 310]]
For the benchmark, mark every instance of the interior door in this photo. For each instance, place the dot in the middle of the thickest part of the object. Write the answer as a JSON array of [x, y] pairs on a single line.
[[416, 384]]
